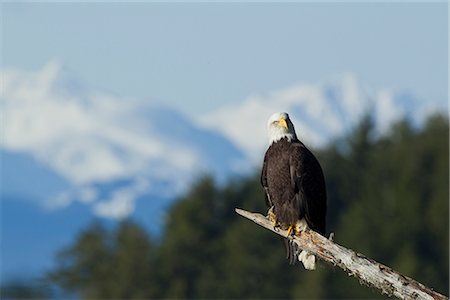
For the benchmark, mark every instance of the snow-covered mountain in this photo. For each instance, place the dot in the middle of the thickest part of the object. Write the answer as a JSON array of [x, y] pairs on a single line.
[[108, 150], [320, 112]]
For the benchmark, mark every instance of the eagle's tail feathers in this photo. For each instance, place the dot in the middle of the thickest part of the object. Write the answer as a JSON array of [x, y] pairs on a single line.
[[291, 251], [294, 253]]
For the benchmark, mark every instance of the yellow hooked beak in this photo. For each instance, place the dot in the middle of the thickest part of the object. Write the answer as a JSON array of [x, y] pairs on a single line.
[[283, 123]]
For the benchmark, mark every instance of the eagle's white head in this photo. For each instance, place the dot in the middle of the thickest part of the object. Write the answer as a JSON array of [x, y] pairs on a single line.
[[280, 126]]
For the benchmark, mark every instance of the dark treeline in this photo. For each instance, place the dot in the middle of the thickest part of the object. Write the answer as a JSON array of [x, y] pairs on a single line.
[[387, 198]]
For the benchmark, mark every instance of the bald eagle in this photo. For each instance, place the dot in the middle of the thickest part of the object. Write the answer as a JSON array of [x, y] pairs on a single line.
[[294, 184]]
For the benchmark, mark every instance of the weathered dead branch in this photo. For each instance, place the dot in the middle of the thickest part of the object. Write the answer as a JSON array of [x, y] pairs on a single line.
[[368, 271]]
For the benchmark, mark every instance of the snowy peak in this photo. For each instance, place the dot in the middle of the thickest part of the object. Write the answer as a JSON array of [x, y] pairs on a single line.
[[53, 79], [92, 139], [320, 112]]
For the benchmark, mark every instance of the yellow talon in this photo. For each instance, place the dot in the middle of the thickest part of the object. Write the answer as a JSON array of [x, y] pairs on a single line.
[[292, 227]]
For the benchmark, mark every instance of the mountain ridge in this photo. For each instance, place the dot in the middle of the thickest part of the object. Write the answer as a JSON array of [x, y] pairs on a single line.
[[71, 152], [91, 138], [320, 112]]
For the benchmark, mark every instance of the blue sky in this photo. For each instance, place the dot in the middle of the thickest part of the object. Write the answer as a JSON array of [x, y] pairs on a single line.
[[198, 56]]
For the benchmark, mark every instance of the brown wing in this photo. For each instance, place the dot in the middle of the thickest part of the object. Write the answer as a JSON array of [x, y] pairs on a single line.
[[309, 185], [264, 182]]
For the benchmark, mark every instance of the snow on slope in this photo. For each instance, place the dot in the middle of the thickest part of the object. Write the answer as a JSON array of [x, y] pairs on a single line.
[[320, 112], [113, 150], [93, 139]]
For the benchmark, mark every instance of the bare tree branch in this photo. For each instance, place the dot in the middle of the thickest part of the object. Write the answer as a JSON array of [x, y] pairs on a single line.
[[368, 271]]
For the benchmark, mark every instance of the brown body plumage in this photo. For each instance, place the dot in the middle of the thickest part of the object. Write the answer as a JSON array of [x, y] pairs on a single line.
[[295, 184]]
